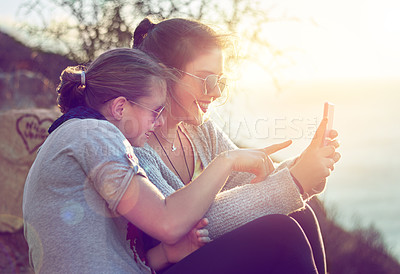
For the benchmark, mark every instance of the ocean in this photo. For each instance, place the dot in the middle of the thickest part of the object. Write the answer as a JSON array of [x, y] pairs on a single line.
[[364, 188]]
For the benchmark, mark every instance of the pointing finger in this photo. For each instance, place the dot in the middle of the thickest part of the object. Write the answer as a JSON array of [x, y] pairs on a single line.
[[276, 147]]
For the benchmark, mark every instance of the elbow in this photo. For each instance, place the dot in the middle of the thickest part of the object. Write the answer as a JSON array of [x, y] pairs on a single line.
[[171, 232]]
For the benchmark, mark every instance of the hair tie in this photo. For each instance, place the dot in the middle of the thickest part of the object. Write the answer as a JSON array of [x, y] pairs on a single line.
[[83, 79], [82, 86]]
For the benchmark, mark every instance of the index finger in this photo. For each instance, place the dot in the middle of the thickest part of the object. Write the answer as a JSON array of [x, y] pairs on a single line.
[[319, 134], [333, 134], [276, 147]]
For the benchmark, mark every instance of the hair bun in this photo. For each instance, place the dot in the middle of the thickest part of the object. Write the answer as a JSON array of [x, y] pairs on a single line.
[[141, 31], [70, 90]]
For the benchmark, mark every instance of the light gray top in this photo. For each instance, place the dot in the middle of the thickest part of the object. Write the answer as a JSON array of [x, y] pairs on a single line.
[[239, 202], [70, 199]]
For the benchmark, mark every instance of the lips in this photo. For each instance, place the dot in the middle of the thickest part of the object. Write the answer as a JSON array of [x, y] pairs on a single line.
[[203, 105]]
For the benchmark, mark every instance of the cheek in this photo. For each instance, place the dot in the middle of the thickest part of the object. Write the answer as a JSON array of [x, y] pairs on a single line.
[[184, 100], [185, 93], [130, 128], [136, 127]]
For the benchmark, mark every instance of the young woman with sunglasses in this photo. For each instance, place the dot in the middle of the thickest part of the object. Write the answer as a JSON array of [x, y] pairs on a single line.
[[86, 183], [270, 217]]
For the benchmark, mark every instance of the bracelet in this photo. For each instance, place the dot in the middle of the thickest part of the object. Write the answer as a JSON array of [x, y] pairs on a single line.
[[300, 187], [306, 197]]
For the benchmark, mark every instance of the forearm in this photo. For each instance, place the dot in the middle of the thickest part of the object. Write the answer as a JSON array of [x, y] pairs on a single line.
[[156, 258], [192, 201], [169, 219]]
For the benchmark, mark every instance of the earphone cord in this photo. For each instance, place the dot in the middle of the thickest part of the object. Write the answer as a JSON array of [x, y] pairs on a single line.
[[184, 155]]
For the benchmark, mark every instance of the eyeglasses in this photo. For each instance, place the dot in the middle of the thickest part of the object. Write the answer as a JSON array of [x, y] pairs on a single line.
[[210, 82], [156, 113]]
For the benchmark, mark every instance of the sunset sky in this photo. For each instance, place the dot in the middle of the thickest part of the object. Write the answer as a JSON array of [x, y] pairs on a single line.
[[351, 39], [357, 38]]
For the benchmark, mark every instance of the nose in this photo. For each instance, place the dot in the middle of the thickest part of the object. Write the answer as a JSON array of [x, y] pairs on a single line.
[[159, 122], [215, 92]]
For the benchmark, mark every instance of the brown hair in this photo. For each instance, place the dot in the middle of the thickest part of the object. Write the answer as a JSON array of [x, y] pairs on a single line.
[[176, 42], [118, 72]]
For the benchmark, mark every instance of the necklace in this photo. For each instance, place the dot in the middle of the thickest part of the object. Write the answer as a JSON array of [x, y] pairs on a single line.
[[173, 147], [184, 155]]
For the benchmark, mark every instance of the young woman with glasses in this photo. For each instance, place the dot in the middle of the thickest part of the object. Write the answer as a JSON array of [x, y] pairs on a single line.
[[265, 226], [86, 183]]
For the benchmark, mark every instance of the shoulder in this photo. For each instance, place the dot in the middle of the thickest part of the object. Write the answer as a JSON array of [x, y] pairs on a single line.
[[89, 137], [88, 129], [93, 127], [206, 130], [210, 132]]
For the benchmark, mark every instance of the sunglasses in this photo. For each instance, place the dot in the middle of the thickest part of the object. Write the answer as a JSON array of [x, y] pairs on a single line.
[[156, 113], [210, 82]]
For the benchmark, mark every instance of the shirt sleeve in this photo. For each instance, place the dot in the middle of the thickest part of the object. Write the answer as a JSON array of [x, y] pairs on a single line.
[[107, 158]]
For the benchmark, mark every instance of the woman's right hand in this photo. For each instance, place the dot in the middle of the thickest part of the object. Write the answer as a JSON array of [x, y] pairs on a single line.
[[316, 162], [256, 161], [192, 241]]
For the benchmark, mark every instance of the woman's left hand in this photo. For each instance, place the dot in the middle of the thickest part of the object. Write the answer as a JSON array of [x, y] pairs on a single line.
[[316, 163], [192, 241]]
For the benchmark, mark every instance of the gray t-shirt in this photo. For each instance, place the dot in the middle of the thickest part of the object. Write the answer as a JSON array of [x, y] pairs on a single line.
[[70, 200]]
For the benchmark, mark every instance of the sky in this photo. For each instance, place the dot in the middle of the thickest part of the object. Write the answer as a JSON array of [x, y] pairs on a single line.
[[351, 39]]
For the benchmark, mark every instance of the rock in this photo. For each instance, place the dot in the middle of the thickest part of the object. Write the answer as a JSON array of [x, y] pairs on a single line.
[[21, 134], [26, 89]]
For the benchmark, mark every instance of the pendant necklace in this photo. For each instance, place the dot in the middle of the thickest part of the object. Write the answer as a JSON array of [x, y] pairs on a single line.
[[173, 147], [184, 155]]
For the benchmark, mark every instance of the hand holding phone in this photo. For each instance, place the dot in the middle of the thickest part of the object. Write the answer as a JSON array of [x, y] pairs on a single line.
[[328, 113]]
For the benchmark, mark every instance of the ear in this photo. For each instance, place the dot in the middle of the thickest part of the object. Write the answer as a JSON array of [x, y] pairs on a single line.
[[117, 107]]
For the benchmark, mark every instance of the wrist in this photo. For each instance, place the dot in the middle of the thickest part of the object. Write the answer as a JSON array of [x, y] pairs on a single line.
[[299, 179], [157, 257], [227, 158], [304, 195]]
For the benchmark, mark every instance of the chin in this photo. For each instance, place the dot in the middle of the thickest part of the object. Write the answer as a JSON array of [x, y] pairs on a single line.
[[195, 120], [137, 142]]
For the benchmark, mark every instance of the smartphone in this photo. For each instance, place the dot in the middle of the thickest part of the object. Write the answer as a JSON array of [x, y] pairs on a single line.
[[328, 112]]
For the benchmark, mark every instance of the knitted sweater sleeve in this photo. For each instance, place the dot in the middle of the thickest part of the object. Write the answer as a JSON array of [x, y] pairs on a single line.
[[241, 202]]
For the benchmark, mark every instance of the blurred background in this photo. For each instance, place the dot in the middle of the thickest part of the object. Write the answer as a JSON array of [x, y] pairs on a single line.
[[287, 58]]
